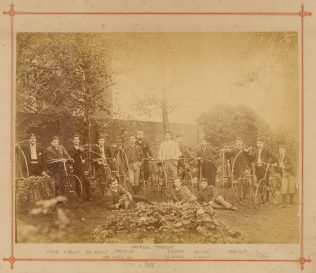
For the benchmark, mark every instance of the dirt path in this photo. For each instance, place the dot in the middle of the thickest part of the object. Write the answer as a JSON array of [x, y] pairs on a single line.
[[267, 225]]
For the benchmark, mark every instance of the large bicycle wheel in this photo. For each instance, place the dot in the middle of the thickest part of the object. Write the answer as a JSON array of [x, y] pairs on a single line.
[[21, 166], [259, 194], [121, 165], [73, 188]]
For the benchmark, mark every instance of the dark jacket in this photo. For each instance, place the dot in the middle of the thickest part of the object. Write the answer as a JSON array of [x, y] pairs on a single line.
[[77, 155], [208, 194], [266, 156], [182, 195], [145, 148], [112, 198], [39, 152], [55, 153], [129, 150], [96, 155]]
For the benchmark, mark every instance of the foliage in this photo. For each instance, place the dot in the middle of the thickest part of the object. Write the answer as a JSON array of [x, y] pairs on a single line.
[[167, 223], [52, 222], [24, 194], [60, 75], [224, 123]]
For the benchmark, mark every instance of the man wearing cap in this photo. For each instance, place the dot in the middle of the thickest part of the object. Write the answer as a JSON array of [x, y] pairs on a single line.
[[77, 153], [169, 154], [185, 154], [261, 157], [206, 157], [287, 176], [147, 153], [34, 157], [134, 155], [57, 152], [101, 160]]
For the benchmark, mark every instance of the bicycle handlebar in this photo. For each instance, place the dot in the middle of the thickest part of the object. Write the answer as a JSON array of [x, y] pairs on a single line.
[[59, 160]]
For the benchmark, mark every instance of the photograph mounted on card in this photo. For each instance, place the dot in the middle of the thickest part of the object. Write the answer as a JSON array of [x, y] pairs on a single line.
[[157, 137]]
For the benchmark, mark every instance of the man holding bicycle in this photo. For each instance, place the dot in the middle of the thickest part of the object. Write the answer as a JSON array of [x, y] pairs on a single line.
[[57, 168], [262, 157], [134, 155], [207, 163], [76, 152], [147, 153]]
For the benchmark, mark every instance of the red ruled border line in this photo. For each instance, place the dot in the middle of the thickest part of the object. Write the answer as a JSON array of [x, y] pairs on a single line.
[[302, 13], [154, 13], [144, 260]]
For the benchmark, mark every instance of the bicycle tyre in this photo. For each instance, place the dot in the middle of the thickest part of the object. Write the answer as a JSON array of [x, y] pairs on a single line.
[[72, 184]]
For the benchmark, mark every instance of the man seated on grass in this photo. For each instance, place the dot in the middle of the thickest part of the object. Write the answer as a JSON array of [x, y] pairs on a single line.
[[117, 197], [181, 193], [208, 194]]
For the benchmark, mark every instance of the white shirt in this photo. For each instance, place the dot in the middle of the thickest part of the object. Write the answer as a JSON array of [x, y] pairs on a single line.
[[33, 152], [169, 150]]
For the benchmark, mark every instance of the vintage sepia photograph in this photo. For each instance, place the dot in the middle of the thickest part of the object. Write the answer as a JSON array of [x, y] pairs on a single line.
[[157, 137]]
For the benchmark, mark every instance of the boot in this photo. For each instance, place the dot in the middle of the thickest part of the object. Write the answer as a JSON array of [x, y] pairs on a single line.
[[291, 200], [283, 201]]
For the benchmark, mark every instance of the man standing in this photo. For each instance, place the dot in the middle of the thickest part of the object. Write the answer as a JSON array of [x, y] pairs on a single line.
[[287, 176], [147, 154], [206, 158], [76, 152], [57, 152], [134, 155], [101, 159], [34, 156], [169, 154], [261, 157], [185, 154]]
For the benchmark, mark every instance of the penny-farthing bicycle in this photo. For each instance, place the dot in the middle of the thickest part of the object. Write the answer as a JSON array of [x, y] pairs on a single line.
[[237, 177], [21, 166]]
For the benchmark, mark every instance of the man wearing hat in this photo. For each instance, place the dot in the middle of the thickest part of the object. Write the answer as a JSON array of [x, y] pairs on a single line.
[[287, 176], [76, 151], [56, 151], [34, 157], [261, 157], [206, 158], [101, 159]]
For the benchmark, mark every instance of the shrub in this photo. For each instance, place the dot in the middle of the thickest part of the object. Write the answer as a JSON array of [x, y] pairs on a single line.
[[167, 223]]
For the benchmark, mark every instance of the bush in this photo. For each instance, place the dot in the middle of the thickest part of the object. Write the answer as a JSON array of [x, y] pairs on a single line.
[[32, 189], [167, 223]]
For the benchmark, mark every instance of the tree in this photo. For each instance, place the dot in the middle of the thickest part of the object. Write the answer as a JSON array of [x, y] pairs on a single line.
[[61, 76], [224, 123], [160, 100]]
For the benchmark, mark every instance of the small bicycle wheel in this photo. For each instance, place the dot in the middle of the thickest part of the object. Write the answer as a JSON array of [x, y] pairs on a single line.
[[73, 188]]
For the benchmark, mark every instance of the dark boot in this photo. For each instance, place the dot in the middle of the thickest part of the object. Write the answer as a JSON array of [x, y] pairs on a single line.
[[283, 201]]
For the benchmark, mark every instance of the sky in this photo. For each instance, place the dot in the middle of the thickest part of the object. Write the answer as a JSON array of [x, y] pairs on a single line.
[[201, 70]]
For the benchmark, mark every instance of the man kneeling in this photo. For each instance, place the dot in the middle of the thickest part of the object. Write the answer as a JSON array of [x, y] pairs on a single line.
[[208, 194], [181, 193], [117, 197]]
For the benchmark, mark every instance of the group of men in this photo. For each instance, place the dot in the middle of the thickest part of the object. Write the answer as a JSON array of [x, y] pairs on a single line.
[[139, 155]]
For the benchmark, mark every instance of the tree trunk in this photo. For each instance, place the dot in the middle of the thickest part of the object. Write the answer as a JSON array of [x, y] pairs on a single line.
[[165, 118]]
